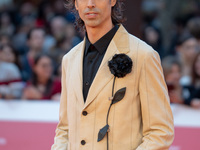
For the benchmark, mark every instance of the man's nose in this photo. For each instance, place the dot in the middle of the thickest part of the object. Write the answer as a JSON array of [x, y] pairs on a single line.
[[91, 3]]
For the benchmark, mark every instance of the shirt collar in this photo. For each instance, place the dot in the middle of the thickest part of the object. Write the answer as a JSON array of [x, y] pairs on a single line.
[[102, 44]]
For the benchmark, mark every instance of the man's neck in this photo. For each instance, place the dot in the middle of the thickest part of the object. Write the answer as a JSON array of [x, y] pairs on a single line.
[[94, 34]]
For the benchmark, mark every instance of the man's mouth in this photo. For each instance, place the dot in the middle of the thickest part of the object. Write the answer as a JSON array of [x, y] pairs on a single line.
[[91, 14]]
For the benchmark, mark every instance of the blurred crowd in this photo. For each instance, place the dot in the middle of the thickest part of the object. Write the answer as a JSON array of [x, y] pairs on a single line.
[[181, 57], [33, 39]]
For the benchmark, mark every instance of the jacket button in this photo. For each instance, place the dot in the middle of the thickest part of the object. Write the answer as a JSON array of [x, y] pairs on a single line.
[[87, 83], [84, 113], [83, 142]]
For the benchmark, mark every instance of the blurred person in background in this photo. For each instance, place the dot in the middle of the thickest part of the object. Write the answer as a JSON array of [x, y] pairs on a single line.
[[57, 28], [20, 37], [59, 8], [5, 38], [64, 43], [10, 79], [10, 55], [26, 10], [57, 43], [194, 99], [6, 25], [172, 72], [187, 48], [61, 47], [71, 35], [194, 28], [4, 3], [42, 85], [152, 36], [45, 14], [35, 40]]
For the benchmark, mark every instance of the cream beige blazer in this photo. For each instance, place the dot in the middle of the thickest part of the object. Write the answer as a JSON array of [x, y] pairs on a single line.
[[142, 120]]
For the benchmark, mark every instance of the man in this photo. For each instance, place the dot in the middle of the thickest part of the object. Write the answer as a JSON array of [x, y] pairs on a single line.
[[142, 119]]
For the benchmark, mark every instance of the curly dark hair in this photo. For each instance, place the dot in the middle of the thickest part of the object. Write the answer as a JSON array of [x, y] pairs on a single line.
[[116, 14]]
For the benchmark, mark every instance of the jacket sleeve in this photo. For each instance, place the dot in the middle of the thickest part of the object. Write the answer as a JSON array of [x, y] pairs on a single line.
[[157, 118], [61, 138]]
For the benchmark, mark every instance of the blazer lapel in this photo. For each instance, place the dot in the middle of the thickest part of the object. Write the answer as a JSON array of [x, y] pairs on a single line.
[[119, 44], [76, 73]]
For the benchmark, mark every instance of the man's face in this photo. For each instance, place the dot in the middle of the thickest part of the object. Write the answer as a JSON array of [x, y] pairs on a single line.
[[95, 13]]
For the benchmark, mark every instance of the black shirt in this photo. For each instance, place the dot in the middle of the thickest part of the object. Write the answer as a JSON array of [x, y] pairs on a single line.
[[93, 56]]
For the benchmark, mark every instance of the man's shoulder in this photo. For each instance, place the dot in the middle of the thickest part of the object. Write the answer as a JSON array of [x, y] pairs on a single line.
[[143, 49], [140, 44], [134, 42]]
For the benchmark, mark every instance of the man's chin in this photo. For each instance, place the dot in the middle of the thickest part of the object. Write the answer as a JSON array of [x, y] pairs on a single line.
[[92, 24]]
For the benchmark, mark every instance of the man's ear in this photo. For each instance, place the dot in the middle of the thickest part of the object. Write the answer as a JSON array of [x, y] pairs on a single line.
[[113, 2], [76, 5]]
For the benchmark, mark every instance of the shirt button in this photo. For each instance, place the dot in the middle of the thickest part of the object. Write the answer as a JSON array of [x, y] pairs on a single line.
[[87, 83], [84, 113], [83, 142]]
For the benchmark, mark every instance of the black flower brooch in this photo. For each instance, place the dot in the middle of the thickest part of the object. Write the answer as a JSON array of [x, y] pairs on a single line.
[[119, 66]]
